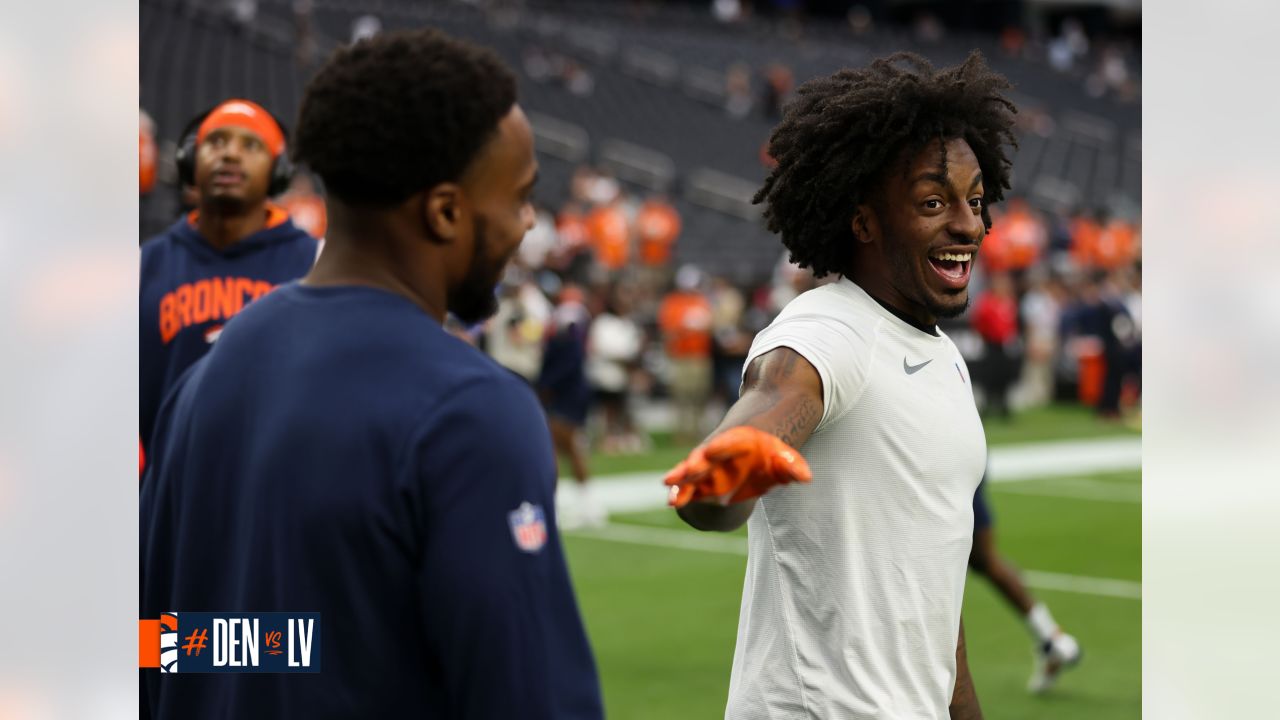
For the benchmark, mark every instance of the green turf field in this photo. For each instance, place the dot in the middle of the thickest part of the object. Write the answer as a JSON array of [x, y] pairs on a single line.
[[661, 601]]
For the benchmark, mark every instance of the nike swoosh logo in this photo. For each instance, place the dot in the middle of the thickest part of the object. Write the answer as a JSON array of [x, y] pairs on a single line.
[[913, 369]]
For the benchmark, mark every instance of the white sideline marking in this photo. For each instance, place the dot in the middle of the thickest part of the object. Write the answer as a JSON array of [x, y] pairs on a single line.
[[1009, 463], [1126, 589], [634, 492], [730, 545]]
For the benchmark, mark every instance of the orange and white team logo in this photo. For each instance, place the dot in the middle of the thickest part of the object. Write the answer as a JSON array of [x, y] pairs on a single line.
[[169, 642]]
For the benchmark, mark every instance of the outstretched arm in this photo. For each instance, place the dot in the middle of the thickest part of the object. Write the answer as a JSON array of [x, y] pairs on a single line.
[[964, 699], [782, 395]]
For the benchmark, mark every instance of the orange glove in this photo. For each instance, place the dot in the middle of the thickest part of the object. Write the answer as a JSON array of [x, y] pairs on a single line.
[[738, 464]]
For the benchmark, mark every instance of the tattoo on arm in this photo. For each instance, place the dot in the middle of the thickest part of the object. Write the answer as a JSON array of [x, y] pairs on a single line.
[[964, 700], [770, 399], [782, 395]]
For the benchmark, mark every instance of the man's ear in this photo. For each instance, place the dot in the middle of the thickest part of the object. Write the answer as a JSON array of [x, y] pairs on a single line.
[[442, 212], [865, 225]]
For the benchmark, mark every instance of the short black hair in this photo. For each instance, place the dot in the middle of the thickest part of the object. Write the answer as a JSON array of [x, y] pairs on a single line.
[[842, 131], [399, 113]]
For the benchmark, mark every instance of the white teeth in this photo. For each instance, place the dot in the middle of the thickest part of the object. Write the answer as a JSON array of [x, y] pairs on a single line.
[[956, 257]]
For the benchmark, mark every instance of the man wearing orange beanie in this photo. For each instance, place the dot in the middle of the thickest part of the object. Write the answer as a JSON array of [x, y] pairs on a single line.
[[232, 249]]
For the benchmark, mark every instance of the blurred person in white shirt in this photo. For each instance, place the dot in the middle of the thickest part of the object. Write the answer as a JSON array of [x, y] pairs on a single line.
[[1041, 310], [514, 335], [541, 239], [614, 345]]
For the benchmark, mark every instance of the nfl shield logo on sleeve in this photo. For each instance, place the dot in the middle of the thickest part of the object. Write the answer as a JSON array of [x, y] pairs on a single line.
[[528, 527]]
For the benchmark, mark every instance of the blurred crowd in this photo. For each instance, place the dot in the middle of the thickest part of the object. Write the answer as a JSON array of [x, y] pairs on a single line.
[[1056, 315], [1104, 58], [1057, 310], [594, 306]]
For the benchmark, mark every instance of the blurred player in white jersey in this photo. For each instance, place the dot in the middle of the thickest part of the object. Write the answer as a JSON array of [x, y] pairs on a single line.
[[851, 604]]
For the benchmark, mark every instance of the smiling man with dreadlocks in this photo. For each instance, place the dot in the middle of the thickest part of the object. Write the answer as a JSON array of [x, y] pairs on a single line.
[[851, 604]]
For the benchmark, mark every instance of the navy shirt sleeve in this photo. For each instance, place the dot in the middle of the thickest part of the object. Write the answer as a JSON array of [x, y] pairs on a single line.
[[498, 608]]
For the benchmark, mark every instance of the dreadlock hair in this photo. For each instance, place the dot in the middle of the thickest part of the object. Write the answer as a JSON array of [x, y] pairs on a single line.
[[399, 113], [842, 132]]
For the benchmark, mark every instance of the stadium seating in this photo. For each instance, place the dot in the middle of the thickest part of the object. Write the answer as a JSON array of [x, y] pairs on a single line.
[[655, 114]]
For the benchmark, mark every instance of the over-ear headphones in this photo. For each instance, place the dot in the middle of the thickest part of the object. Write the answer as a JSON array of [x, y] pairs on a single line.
[[281, 169]]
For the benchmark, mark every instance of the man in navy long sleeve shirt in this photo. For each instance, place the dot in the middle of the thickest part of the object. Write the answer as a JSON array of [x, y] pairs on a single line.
[[338, 452]]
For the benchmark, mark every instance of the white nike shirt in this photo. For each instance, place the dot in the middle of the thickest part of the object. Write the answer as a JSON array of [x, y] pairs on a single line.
[[851, 603]]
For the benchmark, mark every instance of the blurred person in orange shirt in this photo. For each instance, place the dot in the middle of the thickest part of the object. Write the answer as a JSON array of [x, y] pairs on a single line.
[[305, 206], [146, 152], [571, 254], [571, 227], [657, 229], [609, 233], [995, 318], [995, 246], [1103, 244], [1025, 233], [1017, 238], [1085, 230], [152, 217], [685, 320], [1117, 245]]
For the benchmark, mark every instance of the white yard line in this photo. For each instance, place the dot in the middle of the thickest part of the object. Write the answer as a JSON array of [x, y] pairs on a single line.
[[634, 492], [1010, 463], [1108, 587], [731, 545]]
